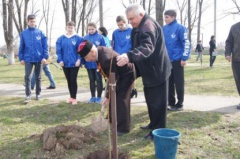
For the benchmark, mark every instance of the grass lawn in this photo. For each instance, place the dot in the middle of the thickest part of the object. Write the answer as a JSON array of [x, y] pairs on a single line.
[[204, 134]]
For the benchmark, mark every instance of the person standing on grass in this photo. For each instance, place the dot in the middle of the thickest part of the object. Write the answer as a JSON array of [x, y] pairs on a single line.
[[93, 73], [152, 63], [33, 52], [66, 50], [178, 48], [212, 44], [232, 53], [199, 49], [121, 41]]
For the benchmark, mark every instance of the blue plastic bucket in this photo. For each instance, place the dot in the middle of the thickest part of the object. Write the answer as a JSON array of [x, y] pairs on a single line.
[[166, 143]]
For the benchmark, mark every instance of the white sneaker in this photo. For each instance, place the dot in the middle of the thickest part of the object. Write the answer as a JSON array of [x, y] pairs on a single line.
[[27, 100]]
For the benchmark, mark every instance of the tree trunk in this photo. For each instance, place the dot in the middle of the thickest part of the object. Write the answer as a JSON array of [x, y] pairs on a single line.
[[189, 21], [160, 6], [199, 20], [8, 29], [101, 12]]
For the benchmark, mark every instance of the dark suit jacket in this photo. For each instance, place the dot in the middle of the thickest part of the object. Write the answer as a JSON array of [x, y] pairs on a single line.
[[105, 55], [149, 53]]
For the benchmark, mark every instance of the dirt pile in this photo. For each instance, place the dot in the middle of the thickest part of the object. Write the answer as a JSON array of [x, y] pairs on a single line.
[[61, 138]]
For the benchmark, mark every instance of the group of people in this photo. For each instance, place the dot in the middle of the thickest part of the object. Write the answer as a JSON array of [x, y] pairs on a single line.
[[146, 50]]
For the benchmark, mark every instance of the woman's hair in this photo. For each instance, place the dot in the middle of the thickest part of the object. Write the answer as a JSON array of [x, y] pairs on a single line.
[[171, 13], [120, 18], [70, 23], [103, 30], [212, 37], [92, 24]]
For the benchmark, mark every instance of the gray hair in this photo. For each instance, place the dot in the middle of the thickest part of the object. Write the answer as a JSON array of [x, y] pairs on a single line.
[[137, 8]]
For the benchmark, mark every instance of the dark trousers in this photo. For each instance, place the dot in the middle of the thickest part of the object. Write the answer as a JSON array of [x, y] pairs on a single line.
[[236, 74], [156, 99], [176, 82], [28, 70], [95, 76], [123, 99], [212, 58], [71, 76]]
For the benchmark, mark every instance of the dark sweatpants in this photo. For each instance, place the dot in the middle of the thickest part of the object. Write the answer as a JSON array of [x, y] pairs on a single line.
[[176, 82], [156, 99], [236, 74], [94, 77]]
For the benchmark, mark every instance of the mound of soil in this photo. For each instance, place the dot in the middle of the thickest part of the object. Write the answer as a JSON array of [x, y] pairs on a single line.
[[103, 154], [61, 138]]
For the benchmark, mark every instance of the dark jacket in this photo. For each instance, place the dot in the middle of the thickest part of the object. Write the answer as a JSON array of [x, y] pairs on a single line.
[[212, 44], [105, 55], [233, 43], [149, 53], [199, 48]]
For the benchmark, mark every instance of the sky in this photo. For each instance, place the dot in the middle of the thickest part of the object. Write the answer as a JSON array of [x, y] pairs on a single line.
[[113, 8]]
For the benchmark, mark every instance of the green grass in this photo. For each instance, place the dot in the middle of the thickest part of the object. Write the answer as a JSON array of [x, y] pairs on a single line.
[[198, 79], [204, 135]]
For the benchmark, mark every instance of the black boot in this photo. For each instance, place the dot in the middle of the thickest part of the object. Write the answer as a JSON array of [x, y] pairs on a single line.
[[134, 92]]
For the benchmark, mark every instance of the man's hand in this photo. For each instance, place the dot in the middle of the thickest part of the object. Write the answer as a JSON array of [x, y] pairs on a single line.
[[105, 101], [61, 63], [122, 59], [77, 64], [22, 62], [183, 63], [228, 58], [44, 61]]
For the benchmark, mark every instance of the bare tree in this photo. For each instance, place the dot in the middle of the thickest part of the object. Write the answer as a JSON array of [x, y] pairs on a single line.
[[46, 8], [200, 2], [8, 28], [19, 18], [160, 6], [237, 5], [182, 7]]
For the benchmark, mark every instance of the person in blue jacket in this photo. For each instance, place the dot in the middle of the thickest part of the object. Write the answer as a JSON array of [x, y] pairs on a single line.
[[93, 73], [66, 49], [103, 31], [33, 52], [121, 37], [121, 42], [178, 48]]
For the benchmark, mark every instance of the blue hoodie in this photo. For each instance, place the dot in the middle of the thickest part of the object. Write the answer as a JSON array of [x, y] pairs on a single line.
[[121, 40], [33, 45], [97, 40], [177, 42], [66, 49]]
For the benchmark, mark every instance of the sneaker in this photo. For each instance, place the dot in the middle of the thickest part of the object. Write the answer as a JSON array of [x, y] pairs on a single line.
[[74, 102], [69, 100], [50, 87], [27, 100], [98, 100], [174, 108], [92, 100], [38, 97]]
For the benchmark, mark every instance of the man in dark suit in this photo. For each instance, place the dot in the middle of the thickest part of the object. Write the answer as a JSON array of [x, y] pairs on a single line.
[[152, 63], [106, 60]]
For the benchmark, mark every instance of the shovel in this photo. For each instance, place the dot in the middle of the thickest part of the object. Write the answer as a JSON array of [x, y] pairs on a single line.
[[99, 123]]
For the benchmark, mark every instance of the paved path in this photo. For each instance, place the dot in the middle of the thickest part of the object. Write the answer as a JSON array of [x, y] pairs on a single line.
[[192, 102]]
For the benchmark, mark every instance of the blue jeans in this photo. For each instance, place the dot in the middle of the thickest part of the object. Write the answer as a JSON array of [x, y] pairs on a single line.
[[47, 72], [37, 71]]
